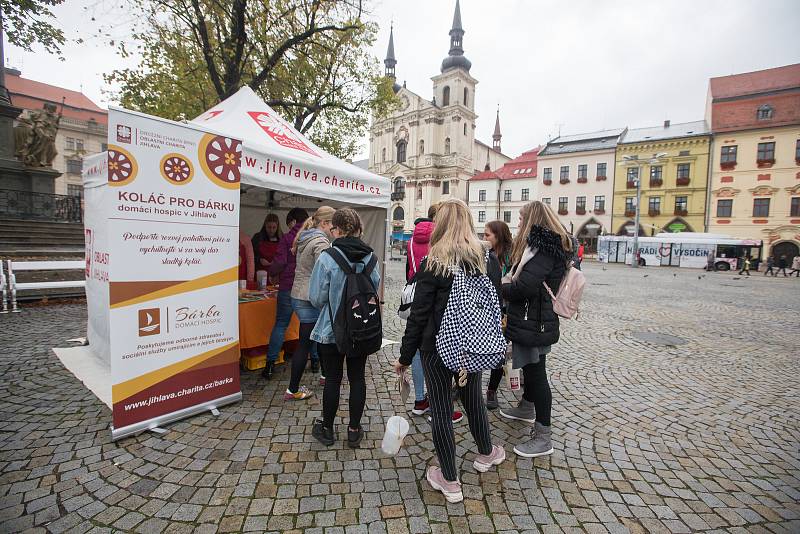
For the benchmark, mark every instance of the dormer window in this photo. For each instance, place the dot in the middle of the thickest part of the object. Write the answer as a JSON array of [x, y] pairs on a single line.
[[765, 112]]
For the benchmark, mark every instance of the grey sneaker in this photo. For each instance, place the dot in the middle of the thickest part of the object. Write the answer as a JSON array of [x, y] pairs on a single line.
[[540, 443], [524, 411]]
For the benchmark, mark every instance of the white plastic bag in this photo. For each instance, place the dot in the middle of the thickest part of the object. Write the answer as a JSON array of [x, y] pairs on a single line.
[[396, 430]]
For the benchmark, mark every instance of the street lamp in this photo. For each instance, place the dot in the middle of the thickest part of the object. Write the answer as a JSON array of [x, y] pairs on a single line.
[[628, 162]]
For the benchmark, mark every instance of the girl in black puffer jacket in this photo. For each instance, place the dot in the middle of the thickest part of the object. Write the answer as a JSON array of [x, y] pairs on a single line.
[[541, 254]]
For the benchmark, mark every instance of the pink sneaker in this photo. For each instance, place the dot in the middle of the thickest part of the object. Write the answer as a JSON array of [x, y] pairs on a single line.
[[483, 462], [450, 490]]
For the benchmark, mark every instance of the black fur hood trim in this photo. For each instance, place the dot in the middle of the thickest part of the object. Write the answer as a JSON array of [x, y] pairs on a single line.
[[548, 242]]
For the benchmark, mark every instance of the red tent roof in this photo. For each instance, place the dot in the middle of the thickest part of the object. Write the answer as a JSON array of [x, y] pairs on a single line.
[[523, 166], [30, 94]]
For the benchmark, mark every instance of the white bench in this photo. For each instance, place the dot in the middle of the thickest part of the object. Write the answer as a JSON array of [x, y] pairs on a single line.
[[16, 266]]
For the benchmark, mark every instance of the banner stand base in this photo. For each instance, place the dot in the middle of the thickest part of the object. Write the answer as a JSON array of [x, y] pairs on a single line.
[[158, 422], [158, 430]]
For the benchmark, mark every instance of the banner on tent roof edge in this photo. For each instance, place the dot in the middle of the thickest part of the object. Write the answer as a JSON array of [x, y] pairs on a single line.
[[173, 242]]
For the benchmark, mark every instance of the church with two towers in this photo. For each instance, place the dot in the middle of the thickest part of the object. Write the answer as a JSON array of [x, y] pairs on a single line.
[[427, 147]]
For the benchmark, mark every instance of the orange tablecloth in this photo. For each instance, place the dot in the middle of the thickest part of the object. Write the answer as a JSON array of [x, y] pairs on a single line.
[[256, 320]]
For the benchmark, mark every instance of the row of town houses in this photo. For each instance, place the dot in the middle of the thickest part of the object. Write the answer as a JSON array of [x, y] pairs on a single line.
[[737, 172]]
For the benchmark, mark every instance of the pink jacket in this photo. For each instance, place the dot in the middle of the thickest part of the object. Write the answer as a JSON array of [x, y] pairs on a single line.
[[418, 246]]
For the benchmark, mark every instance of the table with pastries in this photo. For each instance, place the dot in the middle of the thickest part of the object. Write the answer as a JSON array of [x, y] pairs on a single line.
[[256, 319]]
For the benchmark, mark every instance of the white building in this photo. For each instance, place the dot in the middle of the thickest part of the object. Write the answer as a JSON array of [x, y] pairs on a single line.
[[428, 147], [500, 194], [577, 180]]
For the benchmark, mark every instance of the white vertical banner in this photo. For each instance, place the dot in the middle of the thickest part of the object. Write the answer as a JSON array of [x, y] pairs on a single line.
[[173, 227]]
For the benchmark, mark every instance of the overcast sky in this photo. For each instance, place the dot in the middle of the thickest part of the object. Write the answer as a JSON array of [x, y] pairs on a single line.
[[573, 65]]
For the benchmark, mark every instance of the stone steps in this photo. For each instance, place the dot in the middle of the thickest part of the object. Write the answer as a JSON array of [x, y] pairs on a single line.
[[30, 238]]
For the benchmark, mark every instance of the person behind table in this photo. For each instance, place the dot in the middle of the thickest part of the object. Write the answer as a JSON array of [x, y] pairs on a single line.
[[265, 242], [541, 253], [325, 293], [453, 245], [498, 235], [417, 249], [247, 270], [283, 266], [312, 239]]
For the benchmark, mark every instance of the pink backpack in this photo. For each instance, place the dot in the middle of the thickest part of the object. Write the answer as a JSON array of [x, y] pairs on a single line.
[[568, 298]]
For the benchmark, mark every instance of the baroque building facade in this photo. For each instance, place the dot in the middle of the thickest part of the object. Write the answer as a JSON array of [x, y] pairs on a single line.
[[427, 148]]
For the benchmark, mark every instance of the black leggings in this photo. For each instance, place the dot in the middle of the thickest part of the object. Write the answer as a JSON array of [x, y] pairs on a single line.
[[495, 378], [439, 380], [333, 363], [300, 356], [537, 390]]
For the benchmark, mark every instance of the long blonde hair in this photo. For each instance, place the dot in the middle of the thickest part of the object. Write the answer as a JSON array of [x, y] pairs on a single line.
[[323, 214], [454, 242], [537, 213]]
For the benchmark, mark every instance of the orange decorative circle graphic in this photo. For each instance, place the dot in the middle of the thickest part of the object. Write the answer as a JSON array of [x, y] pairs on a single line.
[[122, 167], [220, 157], [176, 169]]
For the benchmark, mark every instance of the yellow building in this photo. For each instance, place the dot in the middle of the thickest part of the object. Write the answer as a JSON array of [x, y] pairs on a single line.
[[673, 190], [755, 172]]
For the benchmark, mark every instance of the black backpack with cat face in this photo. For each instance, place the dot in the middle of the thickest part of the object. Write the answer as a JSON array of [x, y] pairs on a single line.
[[357, 326]]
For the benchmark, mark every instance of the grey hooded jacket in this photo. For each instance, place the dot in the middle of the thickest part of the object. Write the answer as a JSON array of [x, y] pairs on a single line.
[[310, 244]]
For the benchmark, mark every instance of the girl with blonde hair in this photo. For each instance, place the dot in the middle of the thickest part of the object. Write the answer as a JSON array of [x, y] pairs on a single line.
[[312, 238], [540, 255], [454, 245]]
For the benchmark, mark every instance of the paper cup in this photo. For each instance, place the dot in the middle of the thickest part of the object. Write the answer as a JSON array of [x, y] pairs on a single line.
[[396, 430]]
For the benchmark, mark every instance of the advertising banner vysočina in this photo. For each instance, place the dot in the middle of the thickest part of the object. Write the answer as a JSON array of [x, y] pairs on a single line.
[[173, 239]]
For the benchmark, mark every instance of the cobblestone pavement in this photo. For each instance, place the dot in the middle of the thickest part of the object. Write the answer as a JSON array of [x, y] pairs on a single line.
[[699, 436]]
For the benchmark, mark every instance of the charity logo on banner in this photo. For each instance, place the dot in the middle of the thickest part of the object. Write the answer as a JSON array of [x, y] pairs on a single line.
[[173, 240]]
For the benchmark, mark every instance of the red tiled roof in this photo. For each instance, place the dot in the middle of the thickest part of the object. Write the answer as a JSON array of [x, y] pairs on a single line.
[[756, 82], [30, 94], [524, 165]]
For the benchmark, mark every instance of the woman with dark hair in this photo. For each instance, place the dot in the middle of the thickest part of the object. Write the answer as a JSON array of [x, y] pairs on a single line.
[[540, 255], [265, 242], [498, 235], [325, 293]]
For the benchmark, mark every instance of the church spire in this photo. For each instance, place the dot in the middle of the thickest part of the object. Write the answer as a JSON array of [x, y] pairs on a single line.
[[496, 136], [455, 58], [390, 60], [487, 167]]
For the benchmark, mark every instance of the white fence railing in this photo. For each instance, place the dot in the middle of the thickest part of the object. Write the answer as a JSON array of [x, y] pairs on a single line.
[[9, 285]]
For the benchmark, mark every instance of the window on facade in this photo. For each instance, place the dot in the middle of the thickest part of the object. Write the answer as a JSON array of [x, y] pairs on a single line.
[[655, 172], [103, 147], [507, 195], [70, 143], [466, 92], [794, 211], [419, 193], [445, 188], [399, 185], [761, 207], [563, 203], [681, 203], [446, 96], [447, 146], [724, 207], [728, 154], [79, 144], [546, 200], [601, 169], [564, 172], [766, 152], [465, 128], [547, 173], [683, 170], [654, 204], [633, 174], [74, 190], [482, 195], [764, 112], [582, 171], [383, 154], [630, 204], [525, 194], [600, 203], [507, 216], [580, 203], [399, 214], [797, 151], [421, 147], [481, 216], [401, 151], [74, 166]]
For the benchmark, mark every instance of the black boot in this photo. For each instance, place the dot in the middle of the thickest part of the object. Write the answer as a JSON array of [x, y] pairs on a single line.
[[323, 435], [268, 371]]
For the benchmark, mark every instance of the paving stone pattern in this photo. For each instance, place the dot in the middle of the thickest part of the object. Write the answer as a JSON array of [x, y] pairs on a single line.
[[702, 436]]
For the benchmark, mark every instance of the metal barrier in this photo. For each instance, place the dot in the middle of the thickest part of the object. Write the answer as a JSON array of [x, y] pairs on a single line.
[[40, 206], [15, 266]]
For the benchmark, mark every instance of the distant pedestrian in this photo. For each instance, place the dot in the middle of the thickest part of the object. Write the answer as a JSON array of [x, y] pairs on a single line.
[[745, 266], [498, 235], [578, 263], [795, 267], [711, 263], [783, 264], [770, 266]]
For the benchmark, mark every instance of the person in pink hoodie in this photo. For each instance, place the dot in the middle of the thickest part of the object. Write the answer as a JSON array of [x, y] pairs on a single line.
[[417, 249]]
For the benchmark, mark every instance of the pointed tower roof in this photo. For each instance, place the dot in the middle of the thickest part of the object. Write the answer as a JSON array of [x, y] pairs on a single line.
[[497, 133], [390, 60], [455, 59]]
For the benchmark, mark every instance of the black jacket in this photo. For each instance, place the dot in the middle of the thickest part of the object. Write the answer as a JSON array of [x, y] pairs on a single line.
[[529, 308], [430, 301]]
